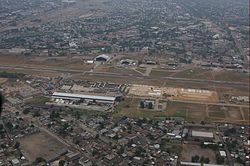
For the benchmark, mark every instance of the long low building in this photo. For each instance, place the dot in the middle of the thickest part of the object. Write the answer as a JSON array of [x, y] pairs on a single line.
[[73, 96], [202, 134]]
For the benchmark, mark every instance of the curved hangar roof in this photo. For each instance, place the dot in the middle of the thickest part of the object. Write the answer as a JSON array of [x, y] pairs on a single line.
[[102, 57]]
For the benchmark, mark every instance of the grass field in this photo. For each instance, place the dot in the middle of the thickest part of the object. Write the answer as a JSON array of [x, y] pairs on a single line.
[[160, 73], [130, 108], [3, 80], [141, 69], [196, 73], [216, 111], [246, 113], [38, 100], [61, 62], [223, 75], [33, 72], [189, 111], [112, 69]]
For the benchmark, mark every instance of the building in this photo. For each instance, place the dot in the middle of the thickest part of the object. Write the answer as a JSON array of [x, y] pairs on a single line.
[[102, 58], [15, 162], [93, 98], [128, 62], [197, 164], [71, 156], [202, 134], [223, 153]]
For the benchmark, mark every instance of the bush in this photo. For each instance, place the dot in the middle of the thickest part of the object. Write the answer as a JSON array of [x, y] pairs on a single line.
[[195, 158]]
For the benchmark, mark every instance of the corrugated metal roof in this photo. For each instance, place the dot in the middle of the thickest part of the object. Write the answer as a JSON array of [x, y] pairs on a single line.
[[73, 95], [202, 134]]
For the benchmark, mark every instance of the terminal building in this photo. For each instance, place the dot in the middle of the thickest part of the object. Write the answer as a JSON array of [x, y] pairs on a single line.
[[91, 98]]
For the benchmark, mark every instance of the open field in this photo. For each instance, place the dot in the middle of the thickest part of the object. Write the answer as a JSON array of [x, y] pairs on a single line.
[[141, 69], [161, 73], [33, 72], [112, 69], [41, 145], [246, 113], [59, 62], [3, 80], [216, 111], [233, 113], [192, 150], [220, 75], [190, 111], [130, 108]]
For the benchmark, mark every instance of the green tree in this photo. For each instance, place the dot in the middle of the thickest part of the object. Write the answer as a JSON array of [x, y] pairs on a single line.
[[142, 104], [9, 125], [1, 104], [54, 114], [150, 105], [62, 162], [219, 159], [206, 160], [195, 158], [39, 160], [17, 145]]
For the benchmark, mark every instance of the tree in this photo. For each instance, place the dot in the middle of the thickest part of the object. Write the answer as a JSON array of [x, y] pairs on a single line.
[[77, 114], [206, 160], [39, 160], [9, 125], [142, 104], [26, 111], [202, 159], [150, 105], [36, 114], [219, 159], [54, 114], [1, 104], [62, 162], [195, 158], [17, 145]]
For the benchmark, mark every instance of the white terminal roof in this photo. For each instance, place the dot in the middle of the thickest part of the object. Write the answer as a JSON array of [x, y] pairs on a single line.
[[81, 96], [202, 134]]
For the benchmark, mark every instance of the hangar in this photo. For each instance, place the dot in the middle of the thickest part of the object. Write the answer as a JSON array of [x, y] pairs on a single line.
[[102, 58], [73, 96]]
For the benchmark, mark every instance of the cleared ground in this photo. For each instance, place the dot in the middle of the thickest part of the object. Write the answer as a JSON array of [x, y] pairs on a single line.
[[176, 93], [192, 150], [41, 145]]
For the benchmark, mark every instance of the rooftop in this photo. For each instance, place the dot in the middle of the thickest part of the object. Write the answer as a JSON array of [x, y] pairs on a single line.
[[202, 134], [81, 96]]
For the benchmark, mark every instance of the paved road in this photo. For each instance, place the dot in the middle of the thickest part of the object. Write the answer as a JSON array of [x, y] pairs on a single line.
[[124, 75]]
